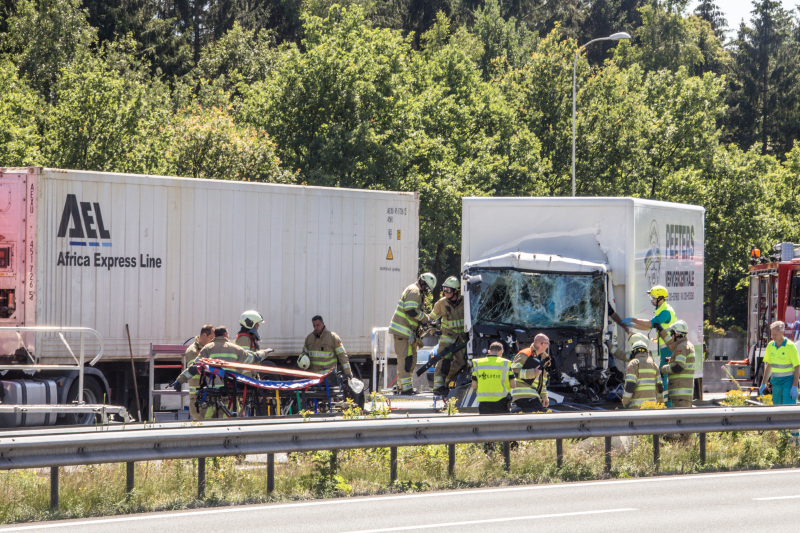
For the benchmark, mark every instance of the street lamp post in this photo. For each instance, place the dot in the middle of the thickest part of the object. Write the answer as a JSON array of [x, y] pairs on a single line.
[[616, 37]]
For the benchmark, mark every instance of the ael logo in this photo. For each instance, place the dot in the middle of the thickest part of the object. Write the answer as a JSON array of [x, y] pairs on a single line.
[[81, 218]]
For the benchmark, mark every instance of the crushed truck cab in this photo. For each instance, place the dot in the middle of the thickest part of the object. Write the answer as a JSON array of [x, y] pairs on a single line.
[[558, 266]]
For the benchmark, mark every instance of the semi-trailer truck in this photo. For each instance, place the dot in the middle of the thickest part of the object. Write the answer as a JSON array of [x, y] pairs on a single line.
[[162, 256]]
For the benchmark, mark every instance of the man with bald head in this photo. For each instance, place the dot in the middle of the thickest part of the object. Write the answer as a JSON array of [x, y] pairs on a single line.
[[530, 370]]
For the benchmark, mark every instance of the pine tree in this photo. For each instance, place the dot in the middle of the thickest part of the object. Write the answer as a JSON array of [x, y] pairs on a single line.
[[766, 80], [710, 12]]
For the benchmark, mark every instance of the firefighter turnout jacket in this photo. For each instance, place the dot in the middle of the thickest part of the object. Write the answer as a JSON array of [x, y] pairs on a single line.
[[452, 315], [191, 354], [642, 382], [221, 348], [680, 368], [409, 313], [324, 350], [493, 375], [528, 384]]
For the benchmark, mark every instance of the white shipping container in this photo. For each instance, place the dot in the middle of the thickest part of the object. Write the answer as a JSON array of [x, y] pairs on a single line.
[[643, 242], [167, 255]]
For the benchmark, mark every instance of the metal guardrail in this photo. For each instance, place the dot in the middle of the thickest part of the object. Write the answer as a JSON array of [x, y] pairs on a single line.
[[196, 440]]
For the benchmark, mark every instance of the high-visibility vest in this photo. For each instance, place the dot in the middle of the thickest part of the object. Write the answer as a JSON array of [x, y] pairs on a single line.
[[492, 375], [783, 358], [663, 350]]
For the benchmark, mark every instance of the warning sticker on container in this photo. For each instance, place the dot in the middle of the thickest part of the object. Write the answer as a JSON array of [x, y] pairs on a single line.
[[389, 255]]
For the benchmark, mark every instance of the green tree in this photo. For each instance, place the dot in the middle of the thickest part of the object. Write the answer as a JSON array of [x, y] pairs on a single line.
[[21, 110], [47, 37], [108, 116], [764, 94]]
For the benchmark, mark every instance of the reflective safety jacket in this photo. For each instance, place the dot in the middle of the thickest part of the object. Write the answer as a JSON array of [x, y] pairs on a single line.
[[493, 375], [783, 358], [191, 355], [665, 316], [409, 312], [527, 384], [680, 368], [247, 341], [452, 316], [642, 382], [220, 348], [323, 350]]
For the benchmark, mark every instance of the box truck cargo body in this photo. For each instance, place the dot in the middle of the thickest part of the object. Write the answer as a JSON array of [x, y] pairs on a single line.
[[167, 255], [554, 265]]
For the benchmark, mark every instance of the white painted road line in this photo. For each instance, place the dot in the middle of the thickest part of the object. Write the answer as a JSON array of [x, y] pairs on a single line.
[[492, 520], [357, 500], [777, 498]]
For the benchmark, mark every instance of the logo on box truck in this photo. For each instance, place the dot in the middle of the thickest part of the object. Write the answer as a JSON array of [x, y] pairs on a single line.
[[652, 261], [86, 229]]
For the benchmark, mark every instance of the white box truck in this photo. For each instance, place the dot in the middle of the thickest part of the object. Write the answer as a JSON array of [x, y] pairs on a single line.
[[554, 265], [165, 256]]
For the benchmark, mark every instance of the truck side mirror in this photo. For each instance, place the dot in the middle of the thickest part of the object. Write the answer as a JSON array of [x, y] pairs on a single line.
[[474, 283]]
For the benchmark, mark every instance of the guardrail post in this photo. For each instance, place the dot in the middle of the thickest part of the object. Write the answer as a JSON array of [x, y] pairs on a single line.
[[129, 479], [608, 454], [656, 451], [451, 459], [201, 478], [702, 448], [270, 473], [559, 453], [392, 465], [334, 461], [54, 488], [507, 456]]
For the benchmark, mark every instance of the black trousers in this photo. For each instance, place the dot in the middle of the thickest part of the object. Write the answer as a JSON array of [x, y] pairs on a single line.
[[530, 405], [493, 408]]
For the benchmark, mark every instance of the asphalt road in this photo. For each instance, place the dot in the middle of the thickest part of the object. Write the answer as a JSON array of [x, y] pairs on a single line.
[[742, 501]]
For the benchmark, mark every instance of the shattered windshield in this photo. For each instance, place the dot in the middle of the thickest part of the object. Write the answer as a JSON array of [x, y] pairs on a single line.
[[538, 300]]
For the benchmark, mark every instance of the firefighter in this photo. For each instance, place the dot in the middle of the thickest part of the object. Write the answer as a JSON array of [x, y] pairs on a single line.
[[450, 308], [324, 347], [407, 318], [663, 315], [222, 348], [493, 381], [680, 367], [248, 336], [641, 379], [530, 370], [191, 375]]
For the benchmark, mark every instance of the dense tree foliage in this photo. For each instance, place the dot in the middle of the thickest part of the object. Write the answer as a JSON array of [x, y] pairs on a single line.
[[450, 98]]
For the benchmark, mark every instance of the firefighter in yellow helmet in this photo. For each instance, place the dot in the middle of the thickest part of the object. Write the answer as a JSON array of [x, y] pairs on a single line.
[[663, 317], [450, 308], [248, 336], [407, 318], [641, 378], [681, 365]]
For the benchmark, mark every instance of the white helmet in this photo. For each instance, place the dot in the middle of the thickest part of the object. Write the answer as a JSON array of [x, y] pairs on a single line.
[[429, 280], [679, 327], [304, 361], [250, 318], [639, 347]]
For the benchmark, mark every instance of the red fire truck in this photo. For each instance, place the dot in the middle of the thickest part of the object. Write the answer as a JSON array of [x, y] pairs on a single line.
[[774, 295]]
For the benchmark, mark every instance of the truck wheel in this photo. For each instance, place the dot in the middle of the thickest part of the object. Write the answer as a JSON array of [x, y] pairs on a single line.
[[92, 394]]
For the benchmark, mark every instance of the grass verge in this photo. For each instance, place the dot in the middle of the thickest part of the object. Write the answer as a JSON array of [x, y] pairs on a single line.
[[169, 485]]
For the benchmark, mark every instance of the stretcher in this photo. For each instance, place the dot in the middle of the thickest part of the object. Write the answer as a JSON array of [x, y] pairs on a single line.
[[219, 363]]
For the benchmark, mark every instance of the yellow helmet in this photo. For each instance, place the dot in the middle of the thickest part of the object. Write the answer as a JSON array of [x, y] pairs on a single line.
[[658, 291]]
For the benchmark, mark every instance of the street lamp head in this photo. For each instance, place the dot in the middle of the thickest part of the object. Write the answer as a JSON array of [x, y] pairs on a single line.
[[619, 36]]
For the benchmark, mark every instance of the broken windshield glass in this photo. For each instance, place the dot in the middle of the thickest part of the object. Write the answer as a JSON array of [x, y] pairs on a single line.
[[538, 300]]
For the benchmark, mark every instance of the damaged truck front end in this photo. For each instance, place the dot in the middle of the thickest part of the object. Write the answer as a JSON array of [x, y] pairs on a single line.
[[513, 297]]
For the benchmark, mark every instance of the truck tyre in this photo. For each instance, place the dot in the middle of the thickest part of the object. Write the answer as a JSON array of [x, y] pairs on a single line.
[[92, 394]]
